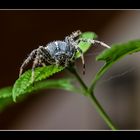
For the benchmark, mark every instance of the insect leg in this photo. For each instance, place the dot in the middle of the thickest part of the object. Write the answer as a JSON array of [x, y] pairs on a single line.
[[45, 54], [82, 58], [93, 42], [27, 60], [40, 59], [71, 37], [99, 42], [35, 63], [75, 34]]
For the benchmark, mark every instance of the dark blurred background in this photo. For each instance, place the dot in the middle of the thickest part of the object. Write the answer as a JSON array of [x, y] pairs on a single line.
[[21, 31]]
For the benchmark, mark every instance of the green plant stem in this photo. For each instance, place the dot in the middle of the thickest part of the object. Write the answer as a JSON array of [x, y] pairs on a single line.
[[101, 111], [95, 102], [73, 71]]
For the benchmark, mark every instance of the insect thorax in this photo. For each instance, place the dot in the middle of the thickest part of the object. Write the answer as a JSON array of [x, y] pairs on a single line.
[[60, 51]]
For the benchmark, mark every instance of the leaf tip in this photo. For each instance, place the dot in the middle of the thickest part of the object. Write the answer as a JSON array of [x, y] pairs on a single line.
[[14, 98]]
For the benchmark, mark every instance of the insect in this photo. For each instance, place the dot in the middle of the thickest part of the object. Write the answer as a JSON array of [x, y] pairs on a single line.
[[60, 52]]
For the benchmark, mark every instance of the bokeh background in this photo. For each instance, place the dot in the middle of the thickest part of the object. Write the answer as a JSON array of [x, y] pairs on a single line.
[[21, 31]]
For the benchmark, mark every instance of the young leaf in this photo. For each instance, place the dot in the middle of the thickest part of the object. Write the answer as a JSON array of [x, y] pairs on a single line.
[[25, 82], [84, 46], [112, 55]]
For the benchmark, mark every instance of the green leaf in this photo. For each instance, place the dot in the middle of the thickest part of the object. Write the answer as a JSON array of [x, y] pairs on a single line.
[[5, 102], [84, 46], [6, 97], [65, 84], [6, 93], [25, 82], [112, 55]]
